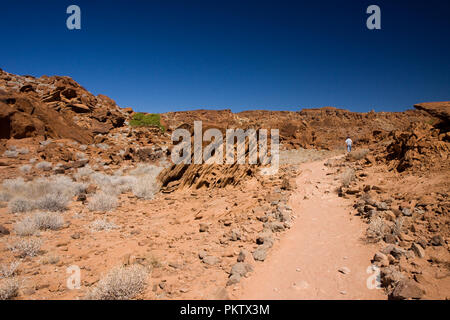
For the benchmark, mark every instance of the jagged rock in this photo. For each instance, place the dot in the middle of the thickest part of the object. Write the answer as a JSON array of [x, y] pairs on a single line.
[[241, 268], [211, 260], [3, 231], [275, 226], [203, 227], [242, 255], [235, 235], [260, 253], [407, 289], [265, 237], [437, 240], [233, 279], [418, 250]]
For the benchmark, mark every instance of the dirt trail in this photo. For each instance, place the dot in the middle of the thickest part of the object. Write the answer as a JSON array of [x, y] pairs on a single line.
[[305, 263]]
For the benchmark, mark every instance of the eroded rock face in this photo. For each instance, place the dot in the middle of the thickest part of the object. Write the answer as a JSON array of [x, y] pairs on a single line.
[[210, 176], [23, 116], [439, 110], [54, 107], [418, 147]]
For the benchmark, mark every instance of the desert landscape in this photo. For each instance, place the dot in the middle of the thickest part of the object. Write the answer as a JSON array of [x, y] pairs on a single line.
[[89, 187]]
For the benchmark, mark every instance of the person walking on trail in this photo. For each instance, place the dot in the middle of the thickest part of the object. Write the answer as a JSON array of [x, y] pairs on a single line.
[[348, 142]]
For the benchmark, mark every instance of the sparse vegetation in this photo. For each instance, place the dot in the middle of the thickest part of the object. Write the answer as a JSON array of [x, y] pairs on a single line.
[[8, 270], [57, 201], [102, 225], [45, 142], [26, 227], [357, 154], [50, 259], [49, 194], [26, 247], [146, 185], [121, 283], [102, 202], [44, 166], [20, 204], [11, 154], [347, 177], [377, 229], [147, 120], [9, 288], [26, 168], [23, 151]]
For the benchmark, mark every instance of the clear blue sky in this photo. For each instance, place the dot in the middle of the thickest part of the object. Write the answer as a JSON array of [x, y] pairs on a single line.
[[159, 56]]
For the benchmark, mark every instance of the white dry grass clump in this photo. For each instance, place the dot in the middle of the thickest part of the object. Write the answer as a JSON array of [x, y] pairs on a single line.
[[8, 270], [5, 196], [80, 156], [11, 154], [84, 172], [102, 225], [26, 227], [23, 150], [26, 168], [26, 247], [357, 154], [114, 184], [9, 288], [39, 221], [102, 202], [44, 166], [83, 147], [50, 194], [121, 283], [57, 201], [20, 204], [50, 259], [397, 228], [377, 229], [46, 142], [145, 188], [102, 146], [146, 185], [347, 177], [33, 160]]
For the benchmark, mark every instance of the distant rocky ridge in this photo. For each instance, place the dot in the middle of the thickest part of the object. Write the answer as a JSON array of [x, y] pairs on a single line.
[[58, 107]]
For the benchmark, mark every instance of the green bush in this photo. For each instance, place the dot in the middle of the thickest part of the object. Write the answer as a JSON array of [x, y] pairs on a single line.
[[146, 120]]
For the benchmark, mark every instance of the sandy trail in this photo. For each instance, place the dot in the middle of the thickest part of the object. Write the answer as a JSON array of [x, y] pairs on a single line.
[[304, 264]]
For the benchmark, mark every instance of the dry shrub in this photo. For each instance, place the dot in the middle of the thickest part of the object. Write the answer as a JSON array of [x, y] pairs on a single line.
[[50, 259], [102, 225], [26, 227], [102, 202], [26, 247], [357, 154], [26, 168], [121, 283], [20, 204], [11, 154], [50, 194], [39, 221], [8, 270], [44, 166], [9, 288], [377, 229], [347, 177]]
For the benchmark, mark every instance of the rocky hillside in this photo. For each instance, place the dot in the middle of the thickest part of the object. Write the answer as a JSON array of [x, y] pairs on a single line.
[[54, 107]]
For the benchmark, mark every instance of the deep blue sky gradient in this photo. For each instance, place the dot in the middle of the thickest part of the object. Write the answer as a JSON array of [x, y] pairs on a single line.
[[160, 56]]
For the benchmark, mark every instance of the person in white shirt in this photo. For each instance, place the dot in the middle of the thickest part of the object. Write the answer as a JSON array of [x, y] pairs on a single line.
[[348, 142]]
